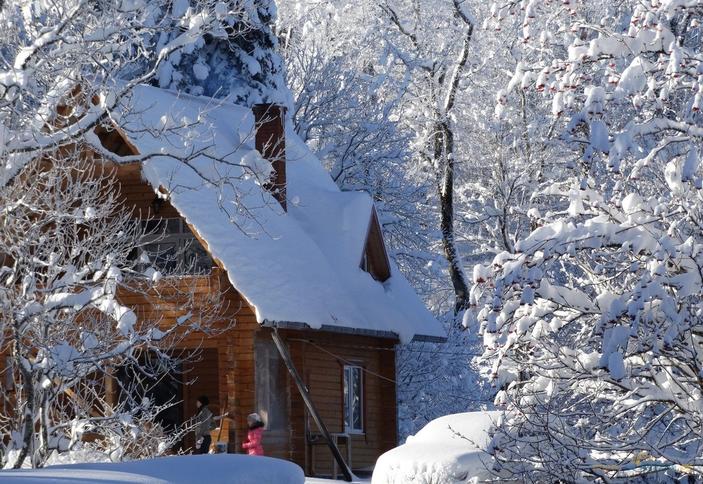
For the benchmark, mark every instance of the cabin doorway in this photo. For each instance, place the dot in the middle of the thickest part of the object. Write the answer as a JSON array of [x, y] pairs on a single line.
[[135, 385], [272, 397], [198, 375]]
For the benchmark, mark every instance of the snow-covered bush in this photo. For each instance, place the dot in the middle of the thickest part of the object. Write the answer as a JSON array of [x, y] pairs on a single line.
[[451, 449], [595, 323], [68, 254]]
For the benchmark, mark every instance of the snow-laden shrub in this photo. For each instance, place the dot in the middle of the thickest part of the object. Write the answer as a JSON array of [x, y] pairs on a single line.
[[67, 258], [594, 324]]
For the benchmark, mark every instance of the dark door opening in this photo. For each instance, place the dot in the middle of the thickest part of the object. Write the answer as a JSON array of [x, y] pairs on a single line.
[[197, 375], [164, 390]]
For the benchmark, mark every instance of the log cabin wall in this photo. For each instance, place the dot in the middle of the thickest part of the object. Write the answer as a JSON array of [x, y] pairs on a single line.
[[320, 357], [224, 368], [227, 371]]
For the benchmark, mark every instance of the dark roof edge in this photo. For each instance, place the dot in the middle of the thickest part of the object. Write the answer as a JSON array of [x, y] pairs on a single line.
[[347, 330], [429, 339]]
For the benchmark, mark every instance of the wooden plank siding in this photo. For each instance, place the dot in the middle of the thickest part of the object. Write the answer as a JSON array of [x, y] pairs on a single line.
[[320, 357], [226, 372], [226, 368]]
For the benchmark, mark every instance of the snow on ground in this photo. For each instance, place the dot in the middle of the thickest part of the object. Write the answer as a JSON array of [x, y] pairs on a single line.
[[219, 468], [450, 449], [317, 480]]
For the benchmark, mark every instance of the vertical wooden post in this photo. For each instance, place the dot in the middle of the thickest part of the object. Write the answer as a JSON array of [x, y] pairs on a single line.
[[110, 390], [348, 476]]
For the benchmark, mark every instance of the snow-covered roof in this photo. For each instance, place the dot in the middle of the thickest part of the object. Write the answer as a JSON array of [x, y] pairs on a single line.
[[296, 267]]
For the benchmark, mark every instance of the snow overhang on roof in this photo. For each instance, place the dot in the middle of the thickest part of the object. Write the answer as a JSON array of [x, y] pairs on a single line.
[[300, 267]]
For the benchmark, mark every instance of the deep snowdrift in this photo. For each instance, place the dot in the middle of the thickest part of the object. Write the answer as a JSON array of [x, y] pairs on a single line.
[[230, 468], [450, 449]]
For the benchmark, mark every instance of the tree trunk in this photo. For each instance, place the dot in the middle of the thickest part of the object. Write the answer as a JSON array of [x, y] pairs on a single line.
[[441, 145], [444, 156], [43, 450], [27, 417]]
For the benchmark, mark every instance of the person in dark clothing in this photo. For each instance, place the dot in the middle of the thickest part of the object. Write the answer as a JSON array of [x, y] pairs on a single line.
[[203, 421]]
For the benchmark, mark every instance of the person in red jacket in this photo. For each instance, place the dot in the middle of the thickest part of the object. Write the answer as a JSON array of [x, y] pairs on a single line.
[[255, 435]]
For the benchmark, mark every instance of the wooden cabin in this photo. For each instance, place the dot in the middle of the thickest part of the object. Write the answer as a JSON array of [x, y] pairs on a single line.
[[291, 256]]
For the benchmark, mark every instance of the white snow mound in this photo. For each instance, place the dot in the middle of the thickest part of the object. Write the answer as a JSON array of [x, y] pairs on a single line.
[[220, 468], [448, 450]]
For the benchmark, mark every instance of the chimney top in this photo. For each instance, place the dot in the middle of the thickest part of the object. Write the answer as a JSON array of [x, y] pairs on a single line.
[[270, 142]]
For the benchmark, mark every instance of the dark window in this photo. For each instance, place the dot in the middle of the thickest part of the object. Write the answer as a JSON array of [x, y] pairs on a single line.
[[374, 260], [353, 399], [163, 256], [175, 250]]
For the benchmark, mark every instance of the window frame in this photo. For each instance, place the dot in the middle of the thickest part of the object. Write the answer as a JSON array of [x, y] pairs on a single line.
[[348, 399], [182, 239], [374, 259]]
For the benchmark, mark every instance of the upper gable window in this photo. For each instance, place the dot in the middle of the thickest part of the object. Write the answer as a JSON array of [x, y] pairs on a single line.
[[112, 140], [175, 250], [374, 260]]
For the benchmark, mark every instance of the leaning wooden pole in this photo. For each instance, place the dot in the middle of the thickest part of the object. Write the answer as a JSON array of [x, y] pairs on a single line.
[[311, 407]]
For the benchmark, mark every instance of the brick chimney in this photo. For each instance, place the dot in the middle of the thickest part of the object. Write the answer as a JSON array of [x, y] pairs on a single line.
[[269, 123]]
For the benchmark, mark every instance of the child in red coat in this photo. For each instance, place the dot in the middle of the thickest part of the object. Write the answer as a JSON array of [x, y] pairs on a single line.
[[255, 435]]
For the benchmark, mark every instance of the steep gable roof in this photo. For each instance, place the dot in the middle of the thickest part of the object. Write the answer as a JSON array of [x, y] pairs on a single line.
[[296, 267]]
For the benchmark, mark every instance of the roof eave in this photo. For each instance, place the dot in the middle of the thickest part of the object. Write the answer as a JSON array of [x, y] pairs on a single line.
[[330, 328], [349, 330], [426, 338]]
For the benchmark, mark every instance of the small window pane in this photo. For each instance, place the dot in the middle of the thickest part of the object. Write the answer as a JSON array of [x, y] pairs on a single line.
[[197, 259], [173, 226], [353, 399], [164, 256], [356, 398], [154, 226]]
